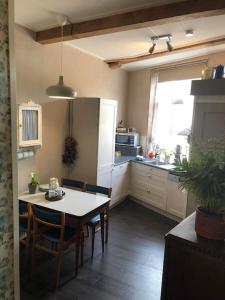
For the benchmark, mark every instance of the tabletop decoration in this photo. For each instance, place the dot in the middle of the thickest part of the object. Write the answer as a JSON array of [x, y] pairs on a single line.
[[32, 186]]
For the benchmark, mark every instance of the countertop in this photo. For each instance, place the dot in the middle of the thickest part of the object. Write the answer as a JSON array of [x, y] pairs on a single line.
[[166, 167], [124, 159]]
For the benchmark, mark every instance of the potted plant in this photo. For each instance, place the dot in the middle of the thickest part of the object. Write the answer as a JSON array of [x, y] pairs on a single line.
[[204, 176], [33, 184]]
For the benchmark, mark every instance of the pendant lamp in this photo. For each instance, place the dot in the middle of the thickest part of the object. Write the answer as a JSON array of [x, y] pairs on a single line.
[[60, 90]]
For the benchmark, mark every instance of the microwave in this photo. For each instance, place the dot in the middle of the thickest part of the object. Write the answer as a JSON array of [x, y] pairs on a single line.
[[131, 139]]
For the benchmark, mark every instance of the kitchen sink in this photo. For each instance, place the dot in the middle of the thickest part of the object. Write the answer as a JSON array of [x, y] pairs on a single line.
[[154, 162], [159, 164]]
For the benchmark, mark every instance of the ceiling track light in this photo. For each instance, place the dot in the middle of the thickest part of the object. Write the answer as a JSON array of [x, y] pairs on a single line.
[[169, 46], [161, 37], [155, 38], [189, 32], [152, 48]]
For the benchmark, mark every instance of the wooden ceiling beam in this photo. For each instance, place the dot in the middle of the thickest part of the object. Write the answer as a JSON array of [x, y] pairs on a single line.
[[146, 17], [116, 63]]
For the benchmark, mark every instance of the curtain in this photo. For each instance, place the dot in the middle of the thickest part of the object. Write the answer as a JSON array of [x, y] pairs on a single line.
[[152, 108], [30, 125], [177, 71]]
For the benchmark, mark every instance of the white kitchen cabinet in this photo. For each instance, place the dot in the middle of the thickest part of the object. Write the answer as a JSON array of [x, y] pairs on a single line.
[[149, 185], [94, 130], [159, 189], [176, 203], [106, 141], [120, 182]]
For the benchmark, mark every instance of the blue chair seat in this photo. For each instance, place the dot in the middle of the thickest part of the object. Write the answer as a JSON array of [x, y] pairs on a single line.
[[94, 220], [53, 234], [23, 225]]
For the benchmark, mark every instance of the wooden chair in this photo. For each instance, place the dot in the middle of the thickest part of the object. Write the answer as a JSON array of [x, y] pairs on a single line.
[[74, 184], [51, 235], [95, 222], [25, 226]]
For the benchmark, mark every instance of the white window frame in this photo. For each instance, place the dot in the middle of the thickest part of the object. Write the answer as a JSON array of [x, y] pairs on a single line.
[[34, 107]]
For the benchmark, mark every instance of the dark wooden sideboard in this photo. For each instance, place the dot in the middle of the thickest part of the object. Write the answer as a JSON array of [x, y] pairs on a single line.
[[194, 268]]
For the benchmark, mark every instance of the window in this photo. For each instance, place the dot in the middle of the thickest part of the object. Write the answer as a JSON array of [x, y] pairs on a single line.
[[29, 125], [172, 116]]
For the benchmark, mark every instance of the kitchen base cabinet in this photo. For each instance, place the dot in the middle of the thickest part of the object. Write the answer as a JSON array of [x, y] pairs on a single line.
[[120, 181], [149, 185], [176, 198], [159, 189]]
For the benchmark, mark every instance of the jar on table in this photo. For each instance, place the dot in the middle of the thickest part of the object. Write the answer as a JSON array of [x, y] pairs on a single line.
[[53, 183]]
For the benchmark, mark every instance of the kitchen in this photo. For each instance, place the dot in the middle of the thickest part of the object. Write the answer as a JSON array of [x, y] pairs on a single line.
[[121, 129]]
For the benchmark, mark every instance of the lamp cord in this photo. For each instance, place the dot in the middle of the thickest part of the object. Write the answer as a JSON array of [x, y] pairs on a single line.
[[61, 51]]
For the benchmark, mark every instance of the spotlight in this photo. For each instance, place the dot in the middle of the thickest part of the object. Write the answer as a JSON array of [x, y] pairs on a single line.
[[169, 46], [189, 33], [152, 48]]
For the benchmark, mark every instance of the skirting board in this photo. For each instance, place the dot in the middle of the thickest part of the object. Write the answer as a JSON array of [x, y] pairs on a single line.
[[157, 210], [118, 201]]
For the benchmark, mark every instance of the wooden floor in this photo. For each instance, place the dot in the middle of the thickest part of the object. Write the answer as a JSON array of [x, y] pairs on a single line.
[[131, 267]]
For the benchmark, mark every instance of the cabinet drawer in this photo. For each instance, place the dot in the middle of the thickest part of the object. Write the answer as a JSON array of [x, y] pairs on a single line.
[[151, 188], [148, 179], [154, 195], [148, 170], [121, 169]]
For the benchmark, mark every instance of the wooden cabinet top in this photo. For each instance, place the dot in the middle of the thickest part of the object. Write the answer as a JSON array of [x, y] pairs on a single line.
[[208, 87], [185, 233]]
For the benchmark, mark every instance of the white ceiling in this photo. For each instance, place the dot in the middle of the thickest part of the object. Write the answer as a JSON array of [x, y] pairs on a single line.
[[136, 42], [40, 14]]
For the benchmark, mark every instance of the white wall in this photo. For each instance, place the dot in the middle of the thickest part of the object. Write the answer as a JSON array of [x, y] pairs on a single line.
[[37, 68]]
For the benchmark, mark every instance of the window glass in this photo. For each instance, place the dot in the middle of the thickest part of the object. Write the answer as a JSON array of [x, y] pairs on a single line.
[[30, 125], [172, 117]]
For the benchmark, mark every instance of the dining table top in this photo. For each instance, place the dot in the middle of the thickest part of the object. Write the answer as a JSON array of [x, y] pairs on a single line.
[[74, 202]]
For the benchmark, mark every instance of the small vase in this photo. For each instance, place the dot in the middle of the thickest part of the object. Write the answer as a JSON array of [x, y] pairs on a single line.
[[32, 188], [209, 226]]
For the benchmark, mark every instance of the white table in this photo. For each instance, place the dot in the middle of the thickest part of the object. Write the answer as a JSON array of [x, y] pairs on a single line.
[[79, 207]]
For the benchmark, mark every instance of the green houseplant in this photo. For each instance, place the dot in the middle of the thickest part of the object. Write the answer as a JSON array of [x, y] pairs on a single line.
[[32, 186], [204, 176]]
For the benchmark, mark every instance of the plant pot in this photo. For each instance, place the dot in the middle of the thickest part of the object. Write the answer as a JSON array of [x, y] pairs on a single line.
[[209, 226], [32, 188]]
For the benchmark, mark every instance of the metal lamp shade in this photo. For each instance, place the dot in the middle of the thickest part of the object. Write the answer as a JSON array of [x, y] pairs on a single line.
[[61, 91]]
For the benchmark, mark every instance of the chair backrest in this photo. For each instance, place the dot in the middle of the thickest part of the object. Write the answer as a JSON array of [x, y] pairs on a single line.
[[25, 211], [25, 220], [98, 189], [23, 208], [71, 183], [48, 217]]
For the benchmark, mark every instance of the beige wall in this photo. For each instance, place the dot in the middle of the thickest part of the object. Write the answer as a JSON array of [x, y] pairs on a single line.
[[138, 100], [139, 88], [37, 68]]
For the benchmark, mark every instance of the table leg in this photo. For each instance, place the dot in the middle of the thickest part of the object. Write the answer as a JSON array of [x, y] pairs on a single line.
[[78, 240], [102, 221], [107, 225]]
